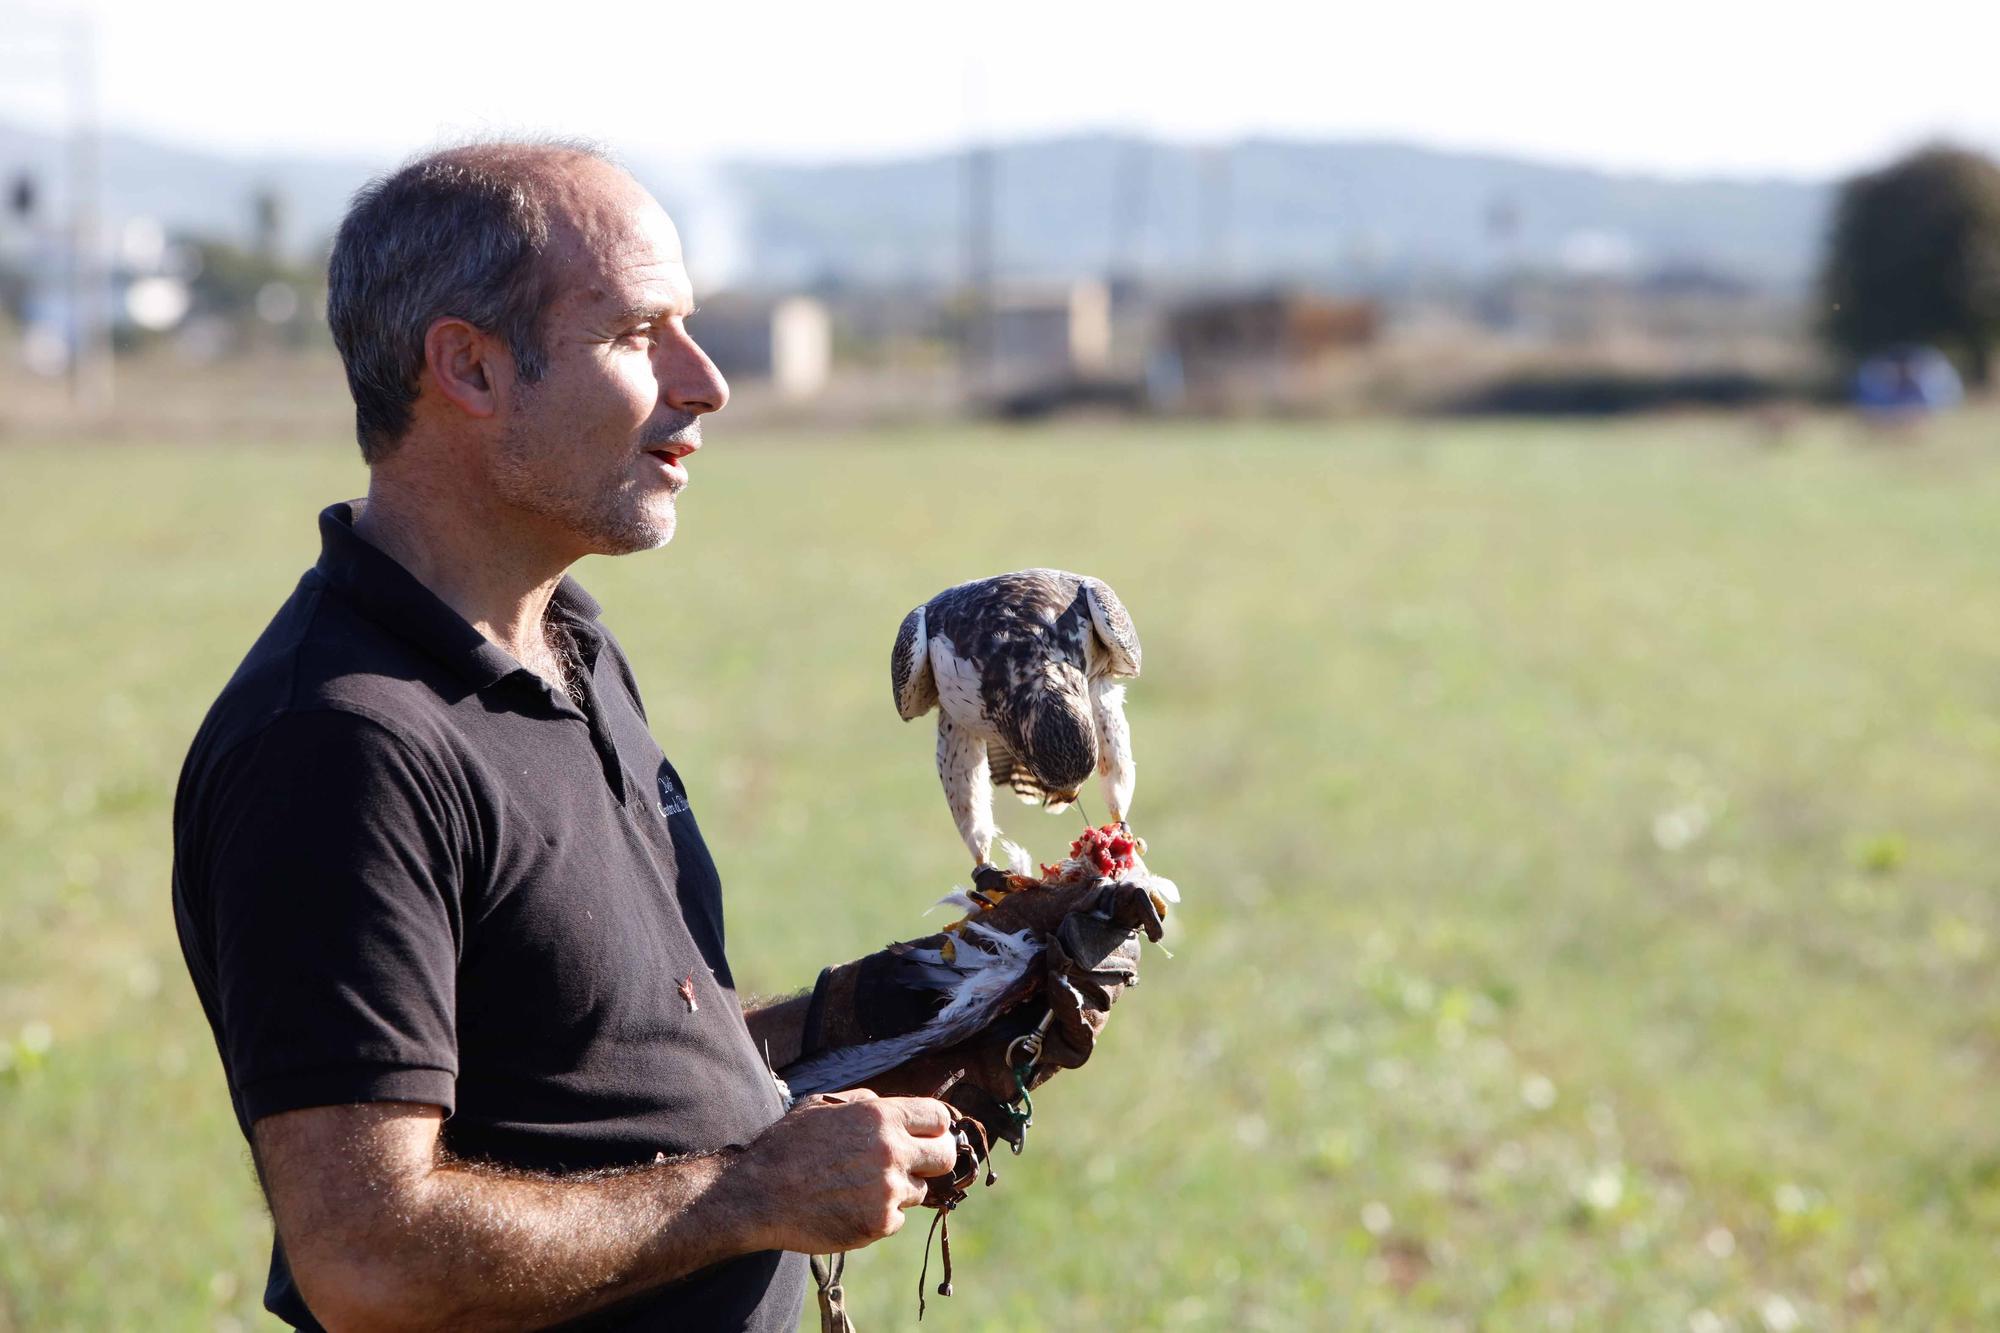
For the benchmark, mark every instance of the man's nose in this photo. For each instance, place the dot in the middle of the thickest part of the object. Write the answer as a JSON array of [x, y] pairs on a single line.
[[689, 381]]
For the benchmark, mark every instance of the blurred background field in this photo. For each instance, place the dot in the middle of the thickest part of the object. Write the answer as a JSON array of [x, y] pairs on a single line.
[[1586, 833], [1551, 453]]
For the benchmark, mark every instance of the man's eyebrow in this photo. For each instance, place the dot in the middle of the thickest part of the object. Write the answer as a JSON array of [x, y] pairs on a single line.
[[642, 310]]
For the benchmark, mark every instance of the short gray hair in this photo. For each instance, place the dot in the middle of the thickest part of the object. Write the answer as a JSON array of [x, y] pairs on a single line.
[[461, 232]]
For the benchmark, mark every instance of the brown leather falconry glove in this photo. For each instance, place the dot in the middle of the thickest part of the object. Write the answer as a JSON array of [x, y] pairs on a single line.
[[1092, 958], [1091, 955]]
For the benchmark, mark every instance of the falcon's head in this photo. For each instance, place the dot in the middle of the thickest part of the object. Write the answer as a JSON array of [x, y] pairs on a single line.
[[1061, 744]]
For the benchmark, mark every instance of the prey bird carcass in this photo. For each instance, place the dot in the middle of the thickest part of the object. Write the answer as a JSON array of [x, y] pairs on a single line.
[[1026, 672]]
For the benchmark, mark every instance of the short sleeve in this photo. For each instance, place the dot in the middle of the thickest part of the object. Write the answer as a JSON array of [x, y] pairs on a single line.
[[332, 869]]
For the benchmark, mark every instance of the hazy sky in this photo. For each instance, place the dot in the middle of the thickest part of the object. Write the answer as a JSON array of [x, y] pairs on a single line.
[[1695, 86]]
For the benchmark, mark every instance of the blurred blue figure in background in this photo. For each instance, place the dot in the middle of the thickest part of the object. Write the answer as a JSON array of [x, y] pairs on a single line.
[[1906, 383]]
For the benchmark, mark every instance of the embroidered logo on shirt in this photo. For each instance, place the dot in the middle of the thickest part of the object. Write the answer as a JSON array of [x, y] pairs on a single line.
[[672, 802]]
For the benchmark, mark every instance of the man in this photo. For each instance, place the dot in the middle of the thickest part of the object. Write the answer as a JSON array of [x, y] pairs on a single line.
[[447, 909]]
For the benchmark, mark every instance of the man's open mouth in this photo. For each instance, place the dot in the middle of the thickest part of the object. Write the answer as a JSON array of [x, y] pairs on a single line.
[[673, 468]]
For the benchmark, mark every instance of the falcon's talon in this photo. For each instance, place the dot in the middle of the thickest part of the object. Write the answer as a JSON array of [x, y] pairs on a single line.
[[988, 880]]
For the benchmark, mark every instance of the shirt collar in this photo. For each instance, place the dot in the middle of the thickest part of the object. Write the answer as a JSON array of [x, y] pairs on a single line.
[[396, 599]]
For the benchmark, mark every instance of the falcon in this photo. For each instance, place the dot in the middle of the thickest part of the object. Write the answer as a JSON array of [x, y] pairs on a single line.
[[1024, 670]]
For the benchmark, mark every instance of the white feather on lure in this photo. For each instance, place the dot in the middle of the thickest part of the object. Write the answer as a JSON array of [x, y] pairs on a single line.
[[958, 898]]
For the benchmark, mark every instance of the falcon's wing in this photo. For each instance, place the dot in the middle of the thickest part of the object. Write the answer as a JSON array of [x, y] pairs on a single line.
[[910, 668], [1114, 627]]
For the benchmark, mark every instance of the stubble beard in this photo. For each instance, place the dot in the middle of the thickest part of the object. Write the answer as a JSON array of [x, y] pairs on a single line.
[[621, 519]]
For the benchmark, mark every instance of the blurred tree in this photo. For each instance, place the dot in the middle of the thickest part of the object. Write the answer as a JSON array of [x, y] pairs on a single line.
[[263, 299], [228, 277], [1915, 258]]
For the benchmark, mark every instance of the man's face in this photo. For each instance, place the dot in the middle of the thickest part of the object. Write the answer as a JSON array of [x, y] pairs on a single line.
[[593, 453]]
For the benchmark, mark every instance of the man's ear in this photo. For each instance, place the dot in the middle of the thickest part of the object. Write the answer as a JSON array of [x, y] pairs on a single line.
[[467, 365]]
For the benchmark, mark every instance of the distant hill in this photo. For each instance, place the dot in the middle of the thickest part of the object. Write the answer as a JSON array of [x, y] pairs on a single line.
[[1353, 213]]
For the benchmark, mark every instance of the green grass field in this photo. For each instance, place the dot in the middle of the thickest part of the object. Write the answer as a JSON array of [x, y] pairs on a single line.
[[1589, 837]]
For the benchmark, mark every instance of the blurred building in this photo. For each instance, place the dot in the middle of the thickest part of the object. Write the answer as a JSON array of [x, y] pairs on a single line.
[[1048, 333], [1256, 351], [783, 342]]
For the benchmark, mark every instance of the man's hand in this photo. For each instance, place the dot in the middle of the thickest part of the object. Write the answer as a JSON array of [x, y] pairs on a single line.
[[841, 1169]]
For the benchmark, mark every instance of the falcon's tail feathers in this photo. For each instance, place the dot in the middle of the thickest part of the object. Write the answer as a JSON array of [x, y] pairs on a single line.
[[1008, 771]]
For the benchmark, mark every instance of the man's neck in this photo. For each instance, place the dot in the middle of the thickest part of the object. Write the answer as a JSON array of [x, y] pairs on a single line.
[[501, 588]]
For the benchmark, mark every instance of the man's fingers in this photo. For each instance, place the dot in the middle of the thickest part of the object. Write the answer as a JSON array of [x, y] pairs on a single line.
[[923, 1117], [935, 1156]]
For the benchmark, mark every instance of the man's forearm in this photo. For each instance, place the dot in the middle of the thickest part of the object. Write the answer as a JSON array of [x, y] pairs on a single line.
[[497, 1250], [405, 1237]]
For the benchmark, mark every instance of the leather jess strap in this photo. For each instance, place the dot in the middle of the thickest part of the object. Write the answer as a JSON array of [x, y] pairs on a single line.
[[827, 1272], [975, 1149], [944, 1194]]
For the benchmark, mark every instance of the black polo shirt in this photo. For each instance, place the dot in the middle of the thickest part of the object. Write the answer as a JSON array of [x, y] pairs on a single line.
[[407, 869]]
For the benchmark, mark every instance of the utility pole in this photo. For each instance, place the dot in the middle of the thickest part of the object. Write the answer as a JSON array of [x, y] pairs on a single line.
[[92, 374], [976, 348], [62, 49], [979, 183], [1130, 182], [1215, 220]]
